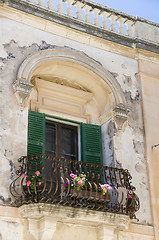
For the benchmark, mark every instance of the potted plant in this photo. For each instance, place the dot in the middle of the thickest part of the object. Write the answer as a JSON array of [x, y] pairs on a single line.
[[34, 180], [34, 186], [80, 187]]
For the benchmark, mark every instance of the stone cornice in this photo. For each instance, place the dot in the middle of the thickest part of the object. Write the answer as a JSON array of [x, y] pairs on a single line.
[[70, 214], [45, 218], [133, 41]]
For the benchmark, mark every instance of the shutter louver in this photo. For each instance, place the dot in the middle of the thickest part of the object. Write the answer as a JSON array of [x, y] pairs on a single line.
[[36, 137], [91, 146]]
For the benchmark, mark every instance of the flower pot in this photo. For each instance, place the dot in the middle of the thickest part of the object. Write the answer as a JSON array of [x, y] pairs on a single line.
[[89, 195], [30, 195]]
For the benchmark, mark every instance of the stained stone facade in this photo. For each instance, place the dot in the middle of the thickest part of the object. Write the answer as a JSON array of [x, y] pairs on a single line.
[[101, 71]]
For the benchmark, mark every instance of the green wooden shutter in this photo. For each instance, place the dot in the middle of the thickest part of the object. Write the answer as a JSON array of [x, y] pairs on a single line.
[[91, 144], [36, 136]]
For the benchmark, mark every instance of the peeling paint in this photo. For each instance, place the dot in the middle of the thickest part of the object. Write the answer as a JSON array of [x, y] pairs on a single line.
[[5, 201], [134, 99], [10, 56], [108, 144], [123, 66], [140, 168], [115, 75], [135, 115], [45, 46], [9, 156], [127, 80], [138, 146]]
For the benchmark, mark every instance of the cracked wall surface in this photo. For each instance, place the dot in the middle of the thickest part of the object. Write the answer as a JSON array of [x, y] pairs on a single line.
[[123, 148]]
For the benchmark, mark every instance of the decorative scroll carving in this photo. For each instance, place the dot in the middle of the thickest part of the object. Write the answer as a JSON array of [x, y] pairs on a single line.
[[120, 115], [22, 90]]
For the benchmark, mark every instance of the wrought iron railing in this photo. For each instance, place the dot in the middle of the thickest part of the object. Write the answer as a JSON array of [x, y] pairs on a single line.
[[46, 179]]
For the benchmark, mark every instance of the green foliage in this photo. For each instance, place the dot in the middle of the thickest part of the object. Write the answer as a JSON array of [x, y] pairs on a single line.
[[34, 180]]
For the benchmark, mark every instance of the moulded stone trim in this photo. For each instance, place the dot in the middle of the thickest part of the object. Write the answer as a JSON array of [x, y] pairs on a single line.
[[54, 97], [44, 217], [70, 55], [69, 214]]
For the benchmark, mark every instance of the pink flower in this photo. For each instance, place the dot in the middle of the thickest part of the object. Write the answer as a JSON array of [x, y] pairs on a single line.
[[108, 187], [73, 175], [28, 183], [37, 173], [83, 179], [25, 175], [43, 178], [79, 183], [129, 196], [39, 183]]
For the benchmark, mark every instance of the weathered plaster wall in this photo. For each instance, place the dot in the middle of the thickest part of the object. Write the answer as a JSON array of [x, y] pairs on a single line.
[[125, 148]]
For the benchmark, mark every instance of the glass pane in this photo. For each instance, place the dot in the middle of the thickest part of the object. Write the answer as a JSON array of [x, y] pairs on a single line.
[[68, 142], [50, 140], [50, 149]]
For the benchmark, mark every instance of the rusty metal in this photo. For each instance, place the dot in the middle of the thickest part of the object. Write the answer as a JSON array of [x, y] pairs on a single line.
[[54, 185]]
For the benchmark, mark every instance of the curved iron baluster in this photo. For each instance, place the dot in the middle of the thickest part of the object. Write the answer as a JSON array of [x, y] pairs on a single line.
[[91, 196]]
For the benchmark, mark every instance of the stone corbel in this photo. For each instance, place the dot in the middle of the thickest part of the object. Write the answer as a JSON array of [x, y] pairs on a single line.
[[110, 231], [22, 91], [120, 115], [105, 232], [47, 228]]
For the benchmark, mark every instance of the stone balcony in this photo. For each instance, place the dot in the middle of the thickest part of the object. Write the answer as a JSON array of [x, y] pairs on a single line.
[[94, 19], [43, 222]]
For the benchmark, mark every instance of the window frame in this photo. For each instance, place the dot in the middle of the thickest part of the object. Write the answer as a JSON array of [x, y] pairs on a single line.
[[89, 137], [58, 125], [70, 123]]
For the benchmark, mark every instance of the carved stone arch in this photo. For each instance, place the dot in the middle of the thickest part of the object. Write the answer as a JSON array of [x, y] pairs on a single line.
[[80, 61]]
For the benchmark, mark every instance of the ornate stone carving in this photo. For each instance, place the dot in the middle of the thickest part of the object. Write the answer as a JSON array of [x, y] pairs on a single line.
[[22, 90], [120, 115], [76, 57]]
